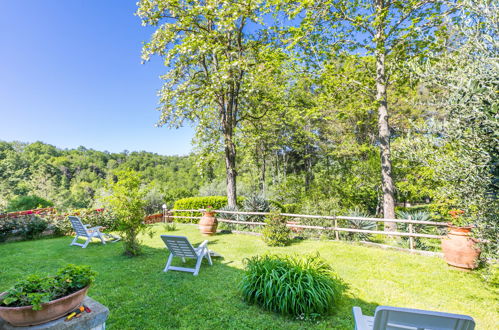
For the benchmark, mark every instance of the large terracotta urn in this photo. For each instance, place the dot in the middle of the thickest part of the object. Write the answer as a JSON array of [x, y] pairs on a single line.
[[208, 224], [26, 316], [460, 249]]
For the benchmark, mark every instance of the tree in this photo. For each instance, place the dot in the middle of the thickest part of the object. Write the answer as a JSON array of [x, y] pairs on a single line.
[[127, 202], [392, 32], [464, 150], [213, 57]]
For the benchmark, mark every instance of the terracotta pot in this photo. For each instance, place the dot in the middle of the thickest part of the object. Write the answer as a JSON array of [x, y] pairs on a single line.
[[460, 249], [25, 316], [208, 224]]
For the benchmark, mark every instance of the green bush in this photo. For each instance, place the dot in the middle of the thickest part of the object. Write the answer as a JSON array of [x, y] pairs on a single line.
[[291, 208], [35, 290], [93, 217], [31, 202], [196, 203], [358, 224], [127, 202], [276, 233], [304, 287], [24, 226]]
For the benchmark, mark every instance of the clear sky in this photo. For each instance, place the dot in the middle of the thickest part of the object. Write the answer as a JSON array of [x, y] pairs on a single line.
[[70, 75]]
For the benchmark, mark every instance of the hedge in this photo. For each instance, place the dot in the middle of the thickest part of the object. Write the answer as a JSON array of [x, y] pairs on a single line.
[[196, 203]]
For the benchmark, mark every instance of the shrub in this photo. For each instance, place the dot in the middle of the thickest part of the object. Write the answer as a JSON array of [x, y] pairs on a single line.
[[170, 226], [93, 217], [35, 227], [276, 233], [35, 290], [24, 226], [359, 224], [304, 287], [23, 203], [196, 203], [291, 208], [127, 204], [255, 203], [421, 243]]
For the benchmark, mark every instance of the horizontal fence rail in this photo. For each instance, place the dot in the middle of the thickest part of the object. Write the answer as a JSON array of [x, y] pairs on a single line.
[[411, 234]]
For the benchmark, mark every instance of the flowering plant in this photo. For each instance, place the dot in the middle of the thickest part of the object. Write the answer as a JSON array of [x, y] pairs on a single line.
[[209, 208]]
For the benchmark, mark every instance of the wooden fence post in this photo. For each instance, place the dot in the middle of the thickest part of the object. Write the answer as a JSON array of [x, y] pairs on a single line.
[[411, 239], [335, 231]]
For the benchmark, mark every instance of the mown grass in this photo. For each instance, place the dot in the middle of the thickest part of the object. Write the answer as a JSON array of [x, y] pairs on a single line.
[[140, 296]]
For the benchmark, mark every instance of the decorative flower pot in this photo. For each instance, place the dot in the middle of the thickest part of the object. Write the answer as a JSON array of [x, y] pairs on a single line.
[[460, 248], [26, 316], [208, 224]]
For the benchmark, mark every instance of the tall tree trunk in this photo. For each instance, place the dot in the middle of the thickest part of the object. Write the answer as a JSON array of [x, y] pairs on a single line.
[[383, 127], [230, 169]]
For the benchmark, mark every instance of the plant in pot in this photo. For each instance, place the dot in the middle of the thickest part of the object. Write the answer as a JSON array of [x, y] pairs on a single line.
[[459, 248], [208, 223], [39, 299]]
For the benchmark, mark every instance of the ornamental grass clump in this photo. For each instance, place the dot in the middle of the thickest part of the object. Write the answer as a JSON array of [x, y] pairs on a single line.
[[303, 287]]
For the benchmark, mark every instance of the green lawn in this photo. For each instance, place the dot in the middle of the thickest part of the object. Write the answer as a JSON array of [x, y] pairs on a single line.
[[140, 296]]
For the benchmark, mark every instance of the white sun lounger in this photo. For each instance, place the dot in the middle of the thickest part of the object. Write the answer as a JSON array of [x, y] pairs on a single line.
[[394, 318], [180, 246], [84, 232]]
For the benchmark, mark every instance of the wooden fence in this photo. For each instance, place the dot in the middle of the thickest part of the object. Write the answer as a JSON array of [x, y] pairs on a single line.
[[334, 227]]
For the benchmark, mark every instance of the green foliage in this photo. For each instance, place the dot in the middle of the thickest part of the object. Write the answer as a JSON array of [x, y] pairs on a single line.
[[304, 287], [276, 233], [93, 217], [30, 202], [74, 178], [35, 290], [35, 227], [127, 202], [24, 226], [359, 224], [170, 226], [291, 208], [196, 203], [255, 203], [421, 243]]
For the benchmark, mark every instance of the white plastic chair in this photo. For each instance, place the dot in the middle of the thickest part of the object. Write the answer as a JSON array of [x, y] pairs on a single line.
[[180, 246], [84, 232], [395, 318]]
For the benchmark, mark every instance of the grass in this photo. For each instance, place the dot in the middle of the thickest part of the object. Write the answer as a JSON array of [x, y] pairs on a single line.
[[140, 296]]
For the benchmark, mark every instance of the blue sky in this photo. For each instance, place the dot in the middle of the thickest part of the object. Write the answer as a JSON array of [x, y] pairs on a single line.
[[70, 75]]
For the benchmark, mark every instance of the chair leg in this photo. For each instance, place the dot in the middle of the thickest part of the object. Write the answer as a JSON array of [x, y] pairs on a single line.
[[99, 234], [168, 262], [88, 241], [208, 257], [198, 265], [74, 240]]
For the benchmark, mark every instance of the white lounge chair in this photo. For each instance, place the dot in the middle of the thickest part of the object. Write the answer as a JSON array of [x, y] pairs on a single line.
[[180, 246], [84, 232], [394, 318]]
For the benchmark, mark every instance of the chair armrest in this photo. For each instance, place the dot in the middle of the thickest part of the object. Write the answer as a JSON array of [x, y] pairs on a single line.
[[203, 245], [359, 319]]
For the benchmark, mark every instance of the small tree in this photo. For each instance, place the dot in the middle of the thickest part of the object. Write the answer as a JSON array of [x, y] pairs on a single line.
[[127, 202]]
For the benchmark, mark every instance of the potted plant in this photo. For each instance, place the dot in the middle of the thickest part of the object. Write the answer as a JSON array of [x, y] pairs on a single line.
[[208, 223], [40, 299], [459, 248]]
